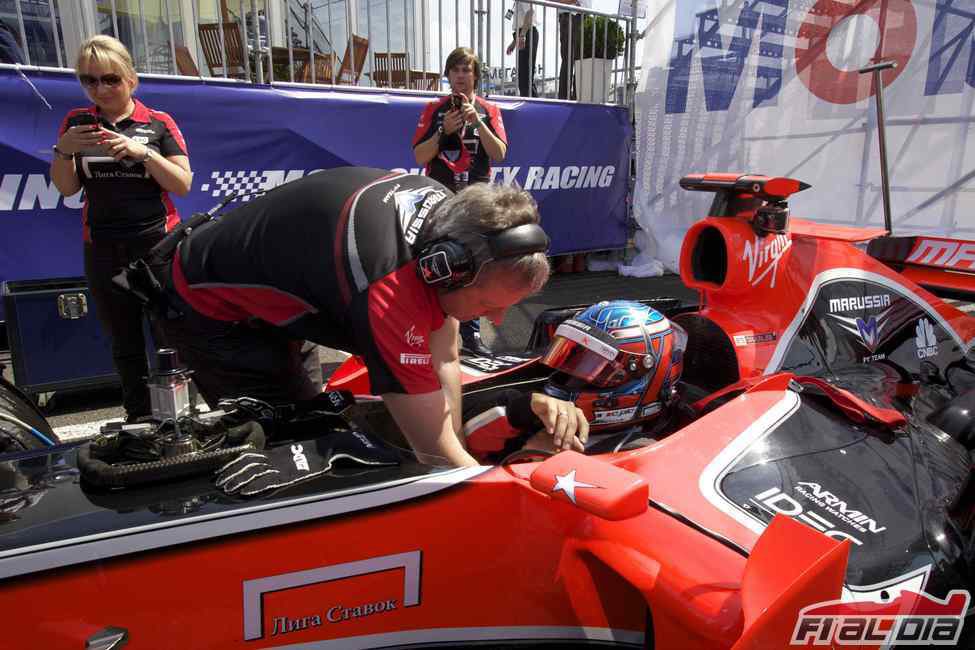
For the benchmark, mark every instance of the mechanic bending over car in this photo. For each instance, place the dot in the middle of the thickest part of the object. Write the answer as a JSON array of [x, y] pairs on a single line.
[[619, 362], [376, 263], [127, 157]]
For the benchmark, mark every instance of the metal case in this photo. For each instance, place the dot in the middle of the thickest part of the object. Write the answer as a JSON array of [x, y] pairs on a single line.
[[56, 341]]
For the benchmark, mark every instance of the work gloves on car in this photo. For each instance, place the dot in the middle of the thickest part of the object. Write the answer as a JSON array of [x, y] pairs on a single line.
[[258, 472]]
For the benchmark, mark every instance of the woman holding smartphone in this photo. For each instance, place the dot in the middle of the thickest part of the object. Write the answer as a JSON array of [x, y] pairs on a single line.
[[128, 158]]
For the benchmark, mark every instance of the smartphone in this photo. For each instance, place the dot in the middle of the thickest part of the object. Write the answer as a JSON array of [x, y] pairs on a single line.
[[456, 102], [85, 118]]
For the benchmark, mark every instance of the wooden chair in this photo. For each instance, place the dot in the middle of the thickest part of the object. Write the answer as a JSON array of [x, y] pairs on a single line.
[[355, 58], [324, 69], [233, 46], [389, 69], [185, 63]]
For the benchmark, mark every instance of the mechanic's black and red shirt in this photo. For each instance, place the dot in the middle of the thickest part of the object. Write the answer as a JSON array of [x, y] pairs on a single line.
[[327, 258], [122, 199], [454, 166]]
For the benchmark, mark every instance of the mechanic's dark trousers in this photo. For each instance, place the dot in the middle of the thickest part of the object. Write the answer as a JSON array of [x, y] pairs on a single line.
[[526, 65], [243, 359], [567, 69], [121, 315]]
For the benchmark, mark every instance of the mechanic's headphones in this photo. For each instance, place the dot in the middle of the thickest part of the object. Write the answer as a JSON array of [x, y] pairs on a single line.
[[454, 262]]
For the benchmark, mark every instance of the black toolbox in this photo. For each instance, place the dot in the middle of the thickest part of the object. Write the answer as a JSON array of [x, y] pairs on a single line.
[[56, 341]]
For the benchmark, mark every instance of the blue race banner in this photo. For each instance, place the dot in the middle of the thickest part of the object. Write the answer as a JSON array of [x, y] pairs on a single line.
[[573, 158]]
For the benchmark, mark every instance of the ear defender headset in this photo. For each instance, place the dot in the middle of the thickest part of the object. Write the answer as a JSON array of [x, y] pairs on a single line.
[[454, 262]]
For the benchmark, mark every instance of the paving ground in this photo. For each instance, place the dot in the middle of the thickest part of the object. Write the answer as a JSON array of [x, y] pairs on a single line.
[[80, 413]]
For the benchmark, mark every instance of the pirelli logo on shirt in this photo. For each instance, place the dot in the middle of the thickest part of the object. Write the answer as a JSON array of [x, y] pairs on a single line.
[[411, 359]]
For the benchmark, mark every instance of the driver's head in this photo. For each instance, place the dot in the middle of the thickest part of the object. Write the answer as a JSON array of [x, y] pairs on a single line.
[[619, 361], [497, 284]]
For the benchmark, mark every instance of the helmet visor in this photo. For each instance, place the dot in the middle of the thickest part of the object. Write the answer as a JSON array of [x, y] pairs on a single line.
[[585, 356]]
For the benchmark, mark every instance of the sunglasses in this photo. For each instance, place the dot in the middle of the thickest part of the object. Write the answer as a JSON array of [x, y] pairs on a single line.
[[110, 80]]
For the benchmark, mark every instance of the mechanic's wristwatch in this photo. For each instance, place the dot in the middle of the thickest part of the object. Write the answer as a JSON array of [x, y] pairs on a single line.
[[60, 154], [147, 157], [441, 135]]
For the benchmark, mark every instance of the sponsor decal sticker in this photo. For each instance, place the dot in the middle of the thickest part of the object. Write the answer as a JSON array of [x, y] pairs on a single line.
[[945, 253], [298, 455], [833, 510], [334, 594], [412, 338], [244, 181], [568, 484], [869, 330], [413, 207], [408, 359], [910, 619], [763, 255], [742, 340], [927, 343], [859, 303], [493, 364]]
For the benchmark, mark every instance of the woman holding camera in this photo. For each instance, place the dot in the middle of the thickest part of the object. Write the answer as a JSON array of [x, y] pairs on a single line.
[[458, 138], [127, 158]]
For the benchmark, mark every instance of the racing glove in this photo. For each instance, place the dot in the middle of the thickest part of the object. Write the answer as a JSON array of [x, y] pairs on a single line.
[[259, 472]]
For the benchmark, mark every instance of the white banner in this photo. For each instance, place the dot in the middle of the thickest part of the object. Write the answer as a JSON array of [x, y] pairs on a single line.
[[771, 87]]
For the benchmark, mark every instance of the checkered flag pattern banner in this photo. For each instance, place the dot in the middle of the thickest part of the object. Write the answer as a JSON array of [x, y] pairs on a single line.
[[236, 182]]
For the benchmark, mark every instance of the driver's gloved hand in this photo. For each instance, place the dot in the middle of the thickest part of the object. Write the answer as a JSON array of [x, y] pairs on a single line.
[[255, 472]]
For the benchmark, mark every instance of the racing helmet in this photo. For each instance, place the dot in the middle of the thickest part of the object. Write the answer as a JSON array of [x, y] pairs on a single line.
[[619, 361]]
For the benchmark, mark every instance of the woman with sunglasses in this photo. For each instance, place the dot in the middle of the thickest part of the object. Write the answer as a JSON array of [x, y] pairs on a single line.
[[128, 158]]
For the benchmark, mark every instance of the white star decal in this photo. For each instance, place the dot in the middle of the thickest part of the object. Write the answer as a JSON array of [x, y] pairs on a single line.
[[567, 483]]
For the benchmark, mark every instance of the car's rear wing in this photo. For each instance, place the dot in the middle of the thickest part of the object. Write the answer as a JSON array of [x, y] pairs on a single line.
[[946, 267]]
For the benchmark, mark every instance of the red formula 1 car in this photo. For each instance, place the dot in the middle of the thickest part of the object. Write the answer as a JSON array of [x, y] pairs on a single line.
[[828, 459]]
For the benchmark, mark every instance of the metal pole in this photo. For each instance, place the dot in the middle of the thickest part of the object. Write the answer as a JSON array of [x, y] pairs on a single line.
[[456, 24], [530, 43], [196, 22], [172, 44], [631, 69], [223, 48], [258, 53], [287, 38], [544, 41], [440, 32], [145, 35], [242, 27], [114, 20], [876, 70], [602, 77], [269, 16], [389, 49], [480, 28], [423, 34], [592, 69], [406, 38], [372, 68], [489, 48], [23, 31], [349, 39], [331, 38], [570, 77], [308, 39], [57, 37]]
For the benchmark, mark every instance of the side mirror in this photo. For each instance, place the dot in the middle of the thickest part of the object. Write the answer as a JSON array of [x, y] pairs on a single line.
[[592, 485]]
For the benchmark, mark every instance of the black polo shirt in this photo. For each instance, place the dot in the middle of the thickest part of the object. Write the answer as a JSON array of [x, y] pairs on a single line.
[[453, 165], [327, 258], [122, 199]]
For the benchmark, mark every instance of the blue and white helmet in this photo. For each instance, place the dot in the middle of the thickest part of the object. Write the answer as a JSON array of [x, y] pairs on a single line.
[[619, 361]]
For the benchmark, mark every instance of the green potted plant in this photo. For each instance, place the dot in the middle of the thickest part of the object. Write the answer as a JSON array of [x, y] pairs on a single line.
[[603, 39], [609, 41]]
